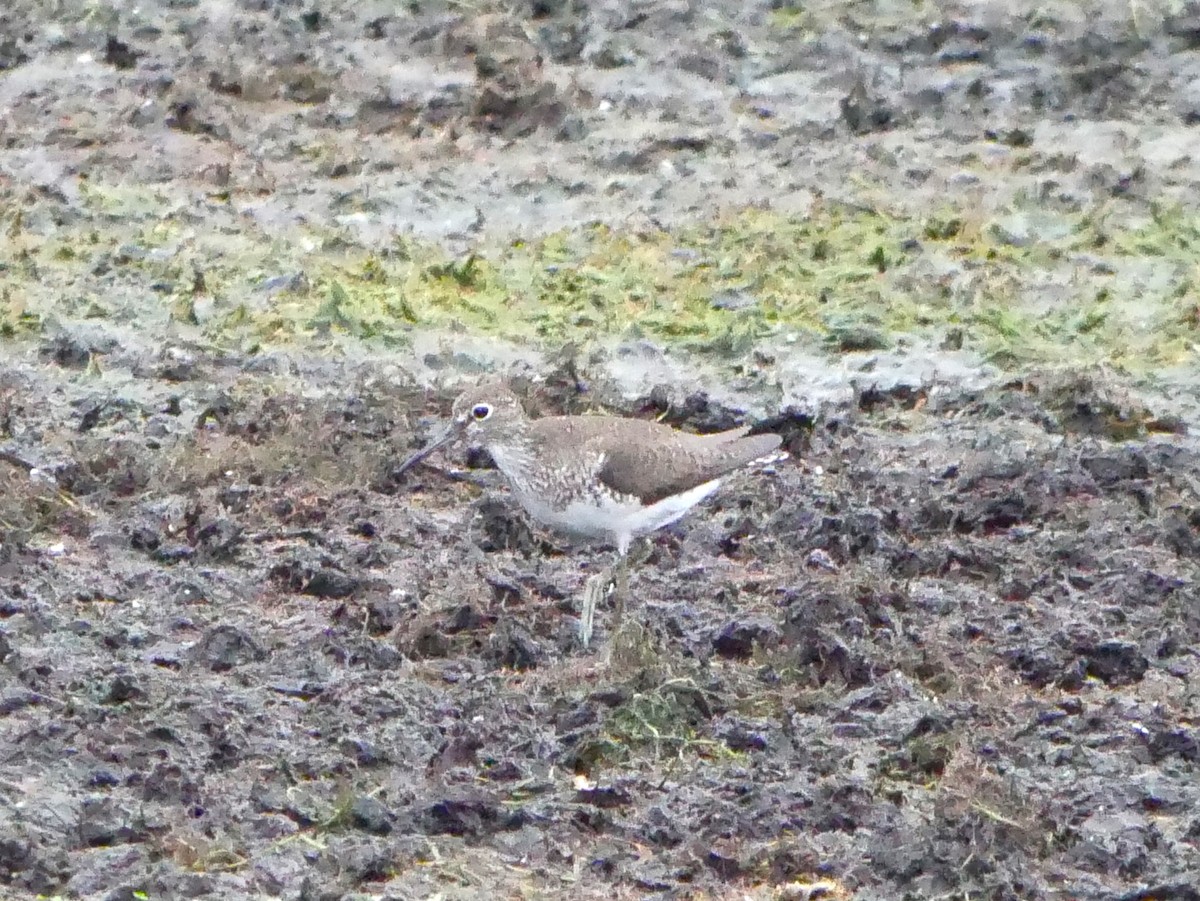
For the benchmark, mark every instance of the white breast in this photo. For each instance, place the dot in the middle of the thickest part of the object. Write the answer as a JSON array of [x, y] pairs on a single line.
[[612, 521], [615, 522]]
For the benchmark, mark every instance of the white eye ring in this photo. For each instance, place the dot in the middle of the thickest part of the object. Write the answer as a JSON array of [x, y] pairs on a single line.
[[480, 412]]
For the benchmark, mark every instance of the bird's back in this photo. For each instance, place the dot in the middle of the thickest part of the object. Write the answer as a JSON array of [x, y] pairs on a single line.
[[648, 460]]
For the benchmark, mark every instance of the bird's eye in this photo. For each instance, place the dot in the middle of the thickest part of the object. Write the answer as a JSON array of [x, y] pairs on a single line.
[[480, 412]]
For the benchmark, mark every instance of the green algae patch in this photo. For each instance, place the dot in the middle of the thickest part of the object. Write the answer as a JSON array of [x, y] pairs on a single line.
[[1027, 285], [1079, 289], [715, 288]]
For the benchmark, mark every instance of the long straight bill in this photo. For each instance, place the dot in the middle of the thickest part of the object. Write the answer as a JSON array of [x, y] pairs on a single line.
[[451, 432]]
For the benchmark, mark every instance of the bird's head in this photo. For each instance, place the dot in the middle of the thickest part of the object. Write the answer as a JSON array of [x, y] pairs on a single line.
[[487, 414]]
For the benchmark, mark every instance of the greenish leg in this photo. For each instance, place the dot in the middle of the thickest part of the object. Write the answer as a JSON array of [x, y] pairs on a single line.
[[620, 574], [593, 592], [616, 577]]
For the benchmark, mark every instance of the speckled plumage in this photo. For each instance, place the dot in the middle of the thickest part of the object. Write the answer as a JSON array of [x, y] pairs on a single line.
[[602, 477]]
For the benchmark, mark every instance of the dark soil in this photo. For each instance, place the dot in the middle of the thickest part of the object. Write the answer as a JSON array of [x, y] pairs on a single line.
[[946, 650]]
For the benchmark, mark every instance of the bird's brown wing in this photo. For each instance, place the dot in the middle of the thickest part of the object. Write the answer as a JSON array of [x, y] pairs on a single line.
[[676, 463], [647, 460]]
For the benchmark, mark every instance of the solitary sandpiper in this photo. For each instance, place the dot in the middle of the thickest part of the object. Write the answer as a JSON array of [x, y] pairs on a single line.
[[604, 478]]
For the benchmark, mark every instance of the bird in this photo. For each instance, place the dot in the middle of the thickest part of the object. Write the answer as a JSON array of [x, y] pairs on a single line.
[[604, 478]]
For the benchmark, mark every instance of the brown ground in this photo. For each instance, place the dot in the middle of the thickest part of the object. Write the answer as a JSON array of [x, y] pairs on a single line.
[[945, 651]]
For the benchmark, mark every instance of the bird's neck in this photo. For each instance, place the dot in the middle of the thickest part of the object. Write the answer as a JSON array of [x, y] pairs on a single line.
[[514, 455]]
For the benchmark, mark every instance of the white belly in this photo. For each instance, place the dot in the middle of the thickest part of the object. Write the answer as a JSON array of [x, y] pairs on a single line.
[[617, 523]]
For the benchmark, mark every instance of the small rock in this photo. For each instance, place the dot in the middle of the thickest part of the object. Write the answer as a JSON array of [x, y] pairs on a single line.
[[370, 815], [610, 54], [11, 55], [120, 55], [1175, 891], [122, 689], [740, 737], [363, 752], [102, 823], [1024, 229], [384, 614], [145, 536], [66, 351], [1114, 662], [14, 699], [235, 498], [864, 113], [512, 646], [292, 283], [1120, 466], [1174, 742], [504, 529], [737, 639], [733, 299], [453, 816], [219, 539], [224, 647], [606, 797], [103, 779], [329, 583]]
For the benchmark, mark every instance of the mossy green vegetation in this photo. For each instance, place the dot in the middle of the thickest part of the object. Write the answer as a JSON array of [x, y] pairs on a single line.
[[660, 723], [848, 279], [1027, 288]]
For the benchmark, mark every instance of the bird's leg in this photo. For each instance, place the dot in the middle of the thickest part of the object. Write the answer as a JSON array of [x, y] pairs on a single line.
[[628, 644], [615, 577], [594, 591], [620, 580]]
